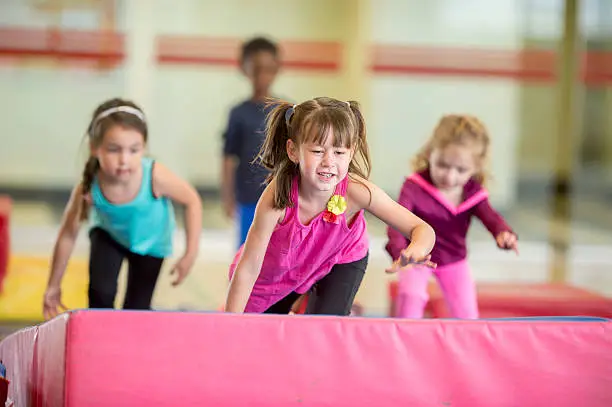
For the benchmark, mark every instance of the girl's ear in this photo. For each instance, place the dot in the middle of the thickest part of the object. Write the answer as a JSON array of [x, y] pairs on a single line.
[[292, 152]]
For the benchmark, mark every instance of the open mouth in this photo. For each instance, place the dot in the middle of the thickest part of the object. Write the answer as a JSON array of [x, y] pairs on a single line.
[[325, 175]]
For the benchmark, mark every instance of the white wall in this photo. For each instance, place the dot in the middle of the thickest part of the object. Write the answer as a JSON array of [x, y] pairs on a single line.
[[46, 109], [190, 104], [406, 108]]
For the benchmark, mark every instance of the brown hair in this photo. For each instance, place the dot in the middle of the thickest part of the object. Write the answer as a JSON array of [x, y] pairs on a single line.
[[457, 129], [311, 121], [98, 126]]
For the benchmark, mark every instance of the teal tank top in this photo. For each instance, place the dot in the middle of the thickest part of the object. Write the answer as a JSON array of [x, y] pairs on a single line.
[[144, 226]]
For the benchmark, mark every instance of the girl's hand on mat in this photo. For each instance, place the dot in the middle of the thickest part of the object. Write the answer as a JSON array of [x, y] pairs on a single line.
[[52, 301], [181, 269], [507, 241]]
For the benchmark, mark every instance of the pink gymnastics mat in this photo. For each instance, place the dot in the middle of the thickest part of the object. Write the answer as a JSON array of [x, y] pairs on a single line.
[[121, 358]]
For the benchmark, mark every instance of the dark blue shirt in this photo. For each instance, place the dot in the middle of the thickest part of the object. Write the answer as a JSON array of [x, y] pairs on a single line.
[[243, 138]]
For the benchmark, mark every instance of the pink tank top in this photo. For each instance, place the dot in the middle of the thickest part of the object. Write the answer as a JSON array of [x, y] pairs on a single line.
[[299, 255]]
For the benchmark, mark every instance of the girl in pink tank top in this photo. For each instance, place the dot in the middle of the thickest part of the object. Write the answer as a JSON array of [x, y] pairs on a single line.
[[309, 232]]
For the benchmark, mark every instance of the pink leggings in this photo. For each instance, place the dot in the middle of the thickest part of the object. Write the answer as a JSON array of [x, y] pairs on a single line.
[[455, 281]]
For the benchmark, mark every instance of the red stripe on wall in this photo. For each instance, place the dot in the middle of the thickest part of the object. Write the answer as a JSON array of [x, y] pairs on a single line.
[[304, 55], [102, 46], [531, 65], [107, 48], [597, 68], [527, 65]]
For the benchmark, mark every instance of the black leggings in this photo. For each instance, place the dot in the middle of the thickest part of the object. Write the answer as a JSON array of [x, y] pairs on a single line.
[[332, 295], [105, 259]]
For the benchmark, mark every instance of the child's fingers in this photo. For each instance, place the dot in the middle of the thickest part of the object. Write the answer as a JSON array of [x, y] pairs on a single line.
[[500, 240], [174, 269], [511, 243], [414, 260], [173, 272], [179, 278], [407, 259], [392, 269], [395, 266], [514, 247], [425, 263]]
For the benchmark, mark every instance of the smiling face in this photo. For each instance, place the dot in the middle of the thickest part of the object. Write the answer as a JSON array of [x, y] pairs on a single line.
[[322, 165]]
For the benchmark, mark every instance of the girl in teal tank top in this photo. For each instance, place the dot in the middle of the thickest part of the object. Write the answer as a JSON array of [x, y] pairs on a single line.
[[129, 200]]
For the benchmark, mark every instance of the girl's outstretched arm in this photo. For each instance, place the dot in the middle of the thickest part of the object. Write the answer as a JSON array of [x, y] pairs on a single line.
[[254, 250], [497, 226], [64, 245], [363, 194], [396, 241], [166, 183]]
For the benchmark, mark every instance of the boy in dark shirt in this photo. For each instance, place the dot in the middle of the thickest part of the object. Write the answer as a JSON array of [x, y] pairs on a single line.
[[242, 180]]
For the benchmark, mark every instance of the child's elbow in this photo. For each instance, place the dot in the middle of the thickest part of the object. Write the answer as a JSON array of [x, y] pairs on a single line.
[[429, 231], [194, 200]]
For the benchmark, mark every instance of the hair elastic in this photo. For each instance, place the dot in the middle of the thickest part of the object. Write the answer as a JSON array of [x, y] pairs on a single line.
[[289, 114], [125, 109]]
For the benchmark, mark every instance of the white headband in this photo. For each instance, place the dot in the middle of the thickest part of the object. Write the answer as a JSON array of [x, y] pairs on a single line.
[[125, 109]]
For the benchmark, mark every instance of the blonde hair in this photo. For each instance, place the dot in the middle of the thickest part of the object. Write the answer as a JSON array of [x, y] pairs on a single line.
[[457, 129], [311, 121]]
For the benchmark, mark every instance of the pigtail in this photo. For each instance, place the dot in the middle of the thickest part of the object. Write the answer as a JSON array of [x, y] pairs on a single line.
[[363, 165], [273, 153], [89, 173]]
